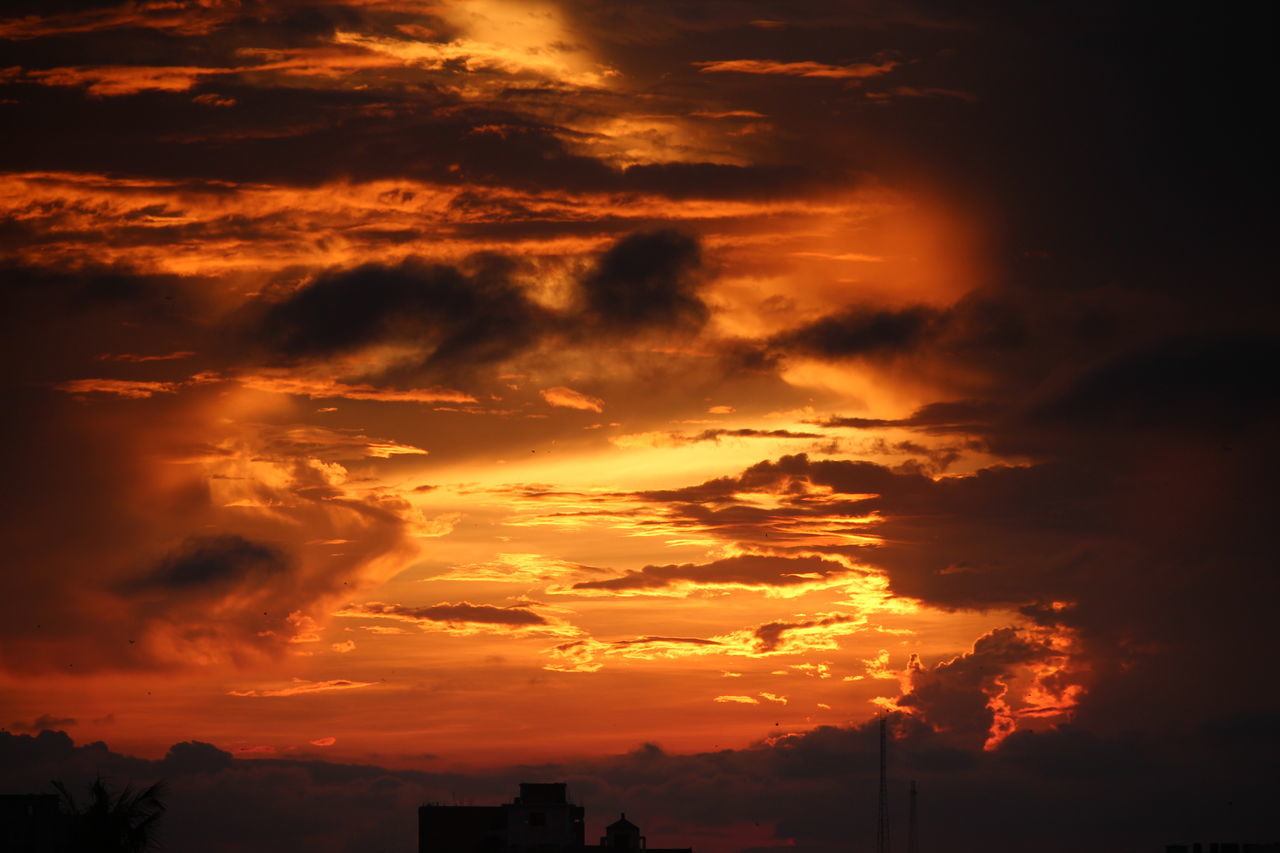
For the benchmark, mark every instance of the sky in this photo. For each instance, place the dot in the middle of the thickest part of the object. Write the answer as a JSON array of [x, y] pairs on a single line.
[[407, 399]]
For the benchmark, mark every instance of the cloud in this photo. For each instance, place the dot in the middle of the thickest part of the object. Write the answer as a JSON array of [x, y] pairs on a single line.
[[464, 617], [798, 635], [771, 574], [211, 562], [132, 389], [1050, 538], [967, 697], [300, 687], [973, 417], [583, 654], [1110, 355], [328, 444], [137, 358], [118, 80], [916, 528], [516, 568], [188, 544], [647, 280], [454, 319], [676, 439], [861, 331], [571, 399], [43, 722], [183, 19], [451, 613], [281, 382], [856, 71], [450, 318]]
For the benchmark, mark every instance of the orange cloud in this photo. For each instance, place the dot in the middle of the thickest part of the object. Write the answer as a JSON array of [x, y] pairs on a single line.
[[301, 687], [473, 55], [176, 16], [571, 399], [798, 635], [856, 71], [132, 389], [153, 224], [329, 444], [280, 382], [114, 80], [515, 568], [676, 439]]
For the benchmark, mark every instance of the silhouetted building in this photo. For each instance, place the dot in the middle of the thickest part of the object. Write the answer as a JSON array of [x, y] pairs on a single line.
[[622, 834], [540, 820]]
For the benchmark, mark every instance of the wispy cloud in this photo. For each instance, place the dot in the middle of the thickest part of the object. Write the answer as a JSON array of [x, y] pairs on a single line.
[[302, 687], [856, 71]]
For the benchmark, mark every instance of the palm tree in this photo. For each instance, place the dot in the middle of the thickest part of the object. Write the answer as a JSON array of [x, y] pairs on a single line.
[[114, 823]]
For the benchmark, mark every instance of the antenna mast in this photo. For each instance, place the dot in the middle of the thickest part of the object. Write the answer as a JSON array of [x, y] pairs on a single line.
[[882, 820]]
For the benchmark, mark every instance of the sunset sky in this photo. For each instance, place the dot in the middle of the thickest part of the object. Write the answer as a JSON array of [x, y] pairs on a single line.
[[406, 399]]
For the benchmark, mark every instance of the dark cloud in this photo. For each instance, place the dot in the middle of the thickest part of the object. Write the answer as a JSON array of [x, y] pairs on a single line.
[[717, 434], [455, 318], [688, 641], [1138, 547], [42, 722], [955, 697], [647, 280], [771, 636], [191, 757], [462, 612], [860, 331], [960, 416], [750, 570], [1197, 385], [464, 317], [205, 562]]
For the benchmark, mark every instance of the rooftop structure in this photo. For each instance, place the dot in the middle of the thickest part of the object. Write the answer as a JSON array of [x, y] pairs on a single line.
[[540, 820]]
